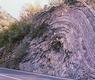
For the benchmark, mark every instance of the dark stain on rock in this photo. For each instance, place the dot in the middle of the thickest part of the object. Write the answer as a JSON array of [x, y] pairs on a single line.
[[56, 45]]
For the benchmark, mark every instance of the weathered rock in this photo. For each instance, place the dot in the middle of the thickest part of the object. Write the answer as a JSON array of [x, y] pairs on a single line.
[[62, 43]]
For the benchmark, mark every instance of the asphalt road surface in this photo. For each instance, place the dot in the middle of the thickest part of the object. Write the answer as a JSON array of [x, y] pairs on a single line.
[[8, 74]]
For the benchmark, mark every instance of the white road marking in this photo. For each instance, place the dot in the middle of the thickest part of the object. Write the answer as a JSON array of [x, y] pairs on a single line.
[[10, 77], [36, 74]]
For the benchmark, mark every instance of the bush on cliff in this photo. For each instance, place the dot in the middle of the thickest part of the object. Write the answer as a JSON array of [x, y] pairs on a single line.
[[15, 33]]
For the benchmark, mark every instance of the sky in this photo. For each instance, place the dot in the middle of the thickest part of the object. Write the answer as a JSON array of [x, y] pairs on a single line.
[[14, 7]]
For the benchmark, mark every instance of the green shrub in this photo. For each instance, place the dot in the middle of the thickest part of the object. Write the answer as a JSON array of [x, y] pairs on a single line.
[[21, 52], [38, 32], [15, 33], [56, 2], [1, 39], [70, 1]]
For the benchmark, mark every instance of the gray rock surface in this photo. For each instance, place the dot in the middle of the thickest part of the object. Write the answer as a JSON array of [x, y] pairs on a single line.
[[61, 43]]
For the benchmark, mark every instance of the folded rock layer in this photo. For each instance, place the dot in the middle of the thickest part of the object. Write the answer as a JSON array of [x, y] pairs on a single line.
[[61, 43]]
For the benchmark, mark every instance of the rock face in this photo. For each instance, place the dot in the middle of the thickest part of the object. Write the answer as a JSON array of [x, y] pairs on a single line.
[[61, 43]]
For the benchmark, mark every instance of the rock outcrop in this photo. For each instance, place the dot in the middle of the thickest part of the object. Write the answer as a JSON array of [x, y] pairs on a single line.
[[61, 43]]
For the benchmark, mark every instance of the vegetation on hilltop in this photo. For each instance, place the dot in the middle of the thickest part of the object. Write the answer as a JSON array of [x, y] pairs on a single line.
[[15, 33], [17, 30]]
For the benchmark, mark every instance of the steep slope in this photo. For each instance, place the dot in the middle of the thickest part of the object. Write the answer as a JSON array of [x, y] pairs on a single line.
[[61, 43]]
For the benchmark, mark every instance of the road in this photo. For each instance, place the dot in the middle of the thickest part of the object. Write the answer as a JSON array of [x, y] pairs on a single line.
[[8, 74]]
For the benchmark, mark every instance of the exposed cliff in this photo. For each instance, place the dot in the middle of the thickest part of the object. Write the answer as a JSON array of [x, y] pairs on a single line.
[[61, 43]]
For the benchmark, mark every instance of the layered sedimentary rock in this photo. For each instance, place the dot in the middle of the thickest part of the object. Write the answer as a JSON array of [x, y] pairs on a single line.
[[61, 43]]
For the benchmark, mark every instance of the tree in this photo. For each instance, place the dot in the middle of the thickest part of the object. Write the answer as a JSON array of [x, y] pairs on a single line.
[[70, 1], [29, 12], [55, 2]]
